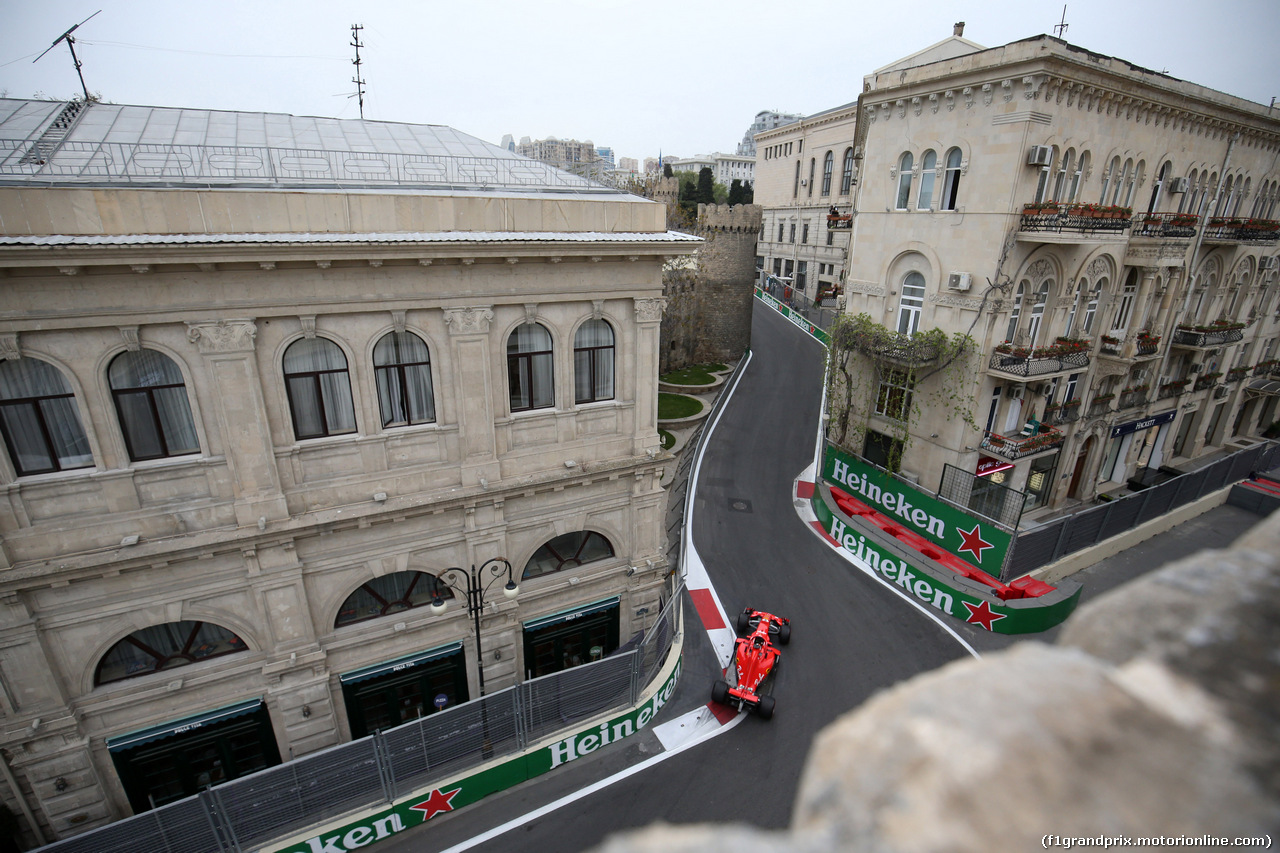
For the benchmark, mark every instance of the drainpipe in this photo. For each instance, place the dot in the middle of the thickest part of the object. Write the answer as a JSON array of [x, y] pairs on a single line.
[[1195, 259], [22, 801]]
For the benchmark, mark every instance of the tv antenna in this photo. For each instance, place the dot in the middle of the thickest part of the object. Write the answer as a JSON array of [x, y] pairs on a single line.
[[355, 42], [1060, 28], [71, 43]]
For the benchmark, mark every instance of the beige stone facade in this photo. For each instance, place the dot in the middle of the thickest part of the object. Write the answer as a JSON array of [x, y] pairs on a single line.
[[954, 144], [268, 535], [804, 171]]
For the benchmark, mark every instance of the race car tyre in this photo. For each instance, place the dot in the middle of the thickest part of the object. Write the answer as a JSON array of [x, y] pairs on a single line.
[[744, 623], [765, 708], [784, 634], [720, 693]]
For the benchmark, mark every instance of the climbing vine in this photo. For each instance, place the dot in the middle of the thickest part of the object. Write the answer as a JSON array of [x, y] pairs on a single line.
[[873, 370]]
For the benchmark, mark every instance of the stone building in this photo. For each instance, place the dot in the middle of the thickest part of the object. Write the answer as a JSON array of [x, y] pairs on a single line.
[[1107, 236], [265, 380]]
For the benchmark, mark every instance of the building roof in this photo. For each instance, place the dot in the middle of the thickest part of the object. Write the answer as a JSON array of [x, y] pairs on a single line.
[[61, 142], [339, 237]]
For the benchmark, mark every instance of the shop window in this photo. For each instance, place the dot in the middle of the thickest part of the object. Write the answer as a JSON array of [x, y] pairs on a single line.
[[319, 388], [566, 552], [39, 419], [1040, 480], [388, 594], [567, 640], [529, 368], [593, 362], [402, 368], [163, 647], [390, 694], [151, 402]]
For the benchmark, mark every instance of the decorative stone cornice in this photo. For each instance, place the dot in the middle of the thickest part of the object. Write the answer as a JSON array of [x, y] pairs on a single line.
[[468, 321], [130, 335], [223, 336], [955, 301], [650, 310], [10, 349]]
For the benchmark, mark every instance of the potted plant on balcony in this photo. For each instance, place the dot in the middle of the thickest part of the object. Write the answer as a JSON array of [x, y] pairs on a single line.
[[1103, 398], [1262, 368], [1184, 220], [1066, 345], [1039, 208], [1235, 374], [1010, 348], [1146, 338]]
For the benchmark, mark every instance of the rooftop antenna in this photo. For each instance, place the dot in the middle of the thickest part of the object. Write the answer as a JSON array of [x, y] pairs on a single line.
[[71, 43], [355, 42], [1060, 28]]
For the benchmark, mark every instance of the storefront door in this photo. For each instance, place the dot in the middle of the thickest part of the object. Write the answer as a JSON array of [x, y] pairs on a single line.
[[570, 639], [386, 695]]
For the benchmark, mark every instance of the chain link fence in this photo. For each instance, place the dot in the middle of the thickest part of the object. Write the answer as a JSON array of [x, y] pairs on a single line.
[[1052, 541], [247, 813]]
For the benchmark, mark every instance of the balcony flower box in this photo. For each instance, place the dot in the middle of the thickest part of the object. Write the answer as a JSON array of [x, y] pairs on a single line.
[[1235, 374], [1145, 337], [1174, 388], [1262, 368]]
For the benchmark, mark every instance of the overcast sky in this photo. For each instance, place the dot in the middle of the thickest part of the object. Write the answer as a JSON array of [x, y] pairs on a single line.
[[683, 77]]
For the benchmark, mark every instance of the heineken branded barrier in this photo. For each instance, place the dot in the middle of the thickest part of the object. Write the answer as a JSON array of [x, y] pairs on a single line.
[[944, 591], [389, 775], [812, 321]]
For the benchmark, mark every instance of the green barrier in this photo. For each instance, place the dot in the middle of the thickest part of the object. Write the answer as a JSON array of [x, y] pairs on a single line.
[[420, 808], [942, 590], [979, 543], [800, 322]]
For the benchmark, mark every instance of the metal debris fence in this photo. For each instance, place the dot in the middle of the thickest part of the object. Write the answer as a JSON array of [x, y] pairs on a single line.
[[245, 814], [1050, 542]]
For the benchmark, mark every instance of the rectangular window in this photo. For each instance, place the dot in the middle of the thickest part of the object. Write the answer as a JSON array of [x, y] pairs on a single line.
[[804, 233], [801, 274], [893, 399], [831, 238], [793, 232]]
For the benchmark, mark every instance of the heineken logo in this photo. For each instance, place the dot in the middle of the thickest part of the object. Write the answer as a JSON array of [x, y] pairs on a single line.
[[585, 743], [893, 569], [972, 541], [895, 503]]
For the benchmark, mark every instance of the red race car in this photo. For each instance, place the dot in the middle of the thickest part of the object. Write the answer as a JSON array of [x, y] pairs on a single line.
[[755, 659]]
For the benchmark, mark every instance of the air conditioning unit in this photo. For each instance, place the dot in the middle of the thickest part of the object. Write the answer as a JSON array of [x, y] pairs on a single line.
[[961, 281], [1040, 155], [1178, 185], [1015, 392], [804, 182], [1220, 392]]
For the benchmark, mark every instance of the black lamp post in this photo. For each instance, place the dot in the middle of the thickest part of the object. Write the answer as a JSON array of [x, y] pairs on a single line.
[[475, 588]]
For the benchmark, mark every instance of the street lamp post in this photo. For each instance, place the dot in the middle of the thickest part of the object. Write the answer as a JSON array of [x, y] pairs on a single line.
[[474, 589]]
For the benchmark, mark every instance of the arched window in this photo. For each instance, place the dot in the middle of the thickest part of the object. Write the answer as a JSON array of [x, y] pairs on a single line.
[[1091, 307], [1240, 196], [1157, 189], [1224, 200], [911, 304], [1135, 177], [39, 418], [1037, 314], [828, 164], [1188, 202], [795, 190], [529, 368], [928, 172], [1015, 313], [1118, 191], [319, 388], [402, 369], [846, 177], [593, 362], [164, 647], [1110, 179], [1062, 185], [951, 180], [1077, 180], [813, 165], [390, 594], [1127, 296], [1046, 172], [151, 401], [1208, 181], [904, 180], [566, 552]]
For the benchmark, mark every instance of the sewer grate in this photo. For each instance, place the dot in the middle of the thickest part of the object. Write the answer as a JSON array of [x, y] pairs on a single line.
[[739, 505]]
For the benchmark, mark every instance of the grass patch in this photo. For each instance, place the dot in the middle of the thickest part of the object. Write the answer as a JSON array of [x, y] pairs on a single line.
[[698, 374], [668, 440], [674, 406]]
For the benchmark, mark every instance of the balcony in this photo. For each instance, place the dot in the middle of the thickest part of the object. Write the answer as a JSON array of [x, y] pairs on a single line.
[[1238, 374], [1067, 413], [1175, 388], [1074, 218], [1131, 398], [1165, 226], [1209, 380], [1215, 335], [1221, 229], [1034, 438], [1100, 405], [839, 222], [1064, 354]]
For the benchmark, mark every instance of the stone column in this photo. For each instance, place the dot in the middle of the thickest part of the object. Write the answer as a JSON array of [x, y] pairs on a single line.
[[230, 358], [473, 381], [648, 328]]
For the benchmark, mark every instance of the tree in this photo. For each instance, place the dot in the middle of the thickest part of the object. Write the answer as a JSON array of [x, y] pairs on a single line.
[[735, 192], [748, 193], [706, 186], [666, 170]]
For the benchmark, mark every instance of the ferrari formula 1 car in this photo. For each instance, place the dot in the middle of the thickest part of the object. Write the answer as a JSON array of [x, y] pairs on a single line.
[[755, 658]]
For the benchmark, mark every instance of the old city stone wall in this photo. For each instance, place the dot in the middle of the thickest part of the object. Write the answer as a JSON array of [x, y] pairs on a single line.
[[708, 314], [1157, 713]]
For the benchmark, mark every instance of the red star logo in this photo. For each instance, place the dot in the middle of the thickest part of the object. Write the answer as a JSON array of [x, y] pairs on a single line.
[[982, 615], [972, 541], [439, 801]]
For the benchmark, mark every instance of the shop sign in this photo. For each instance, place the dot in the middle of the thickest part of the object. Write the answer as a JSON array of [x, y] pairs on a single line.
[[1145, 423], [988, 465]]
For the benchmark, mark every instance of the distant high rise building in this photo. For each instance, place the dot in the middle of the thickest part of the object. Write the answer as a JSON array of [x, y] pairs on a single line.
[[508, 142], [568, 154], [606, 155], [628, 164], [765, 120]]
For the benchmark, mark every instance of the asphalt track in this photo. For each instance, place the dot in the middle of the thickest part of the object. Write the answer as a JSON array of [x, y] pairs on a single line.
[[852, 636]]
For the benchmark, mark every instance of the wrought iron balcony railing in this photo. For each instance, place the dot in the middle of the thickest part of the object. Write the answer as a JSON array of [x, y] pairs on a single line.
[[1185, 337], [1081, 219], [1166, 226], [1172, 389], [1065, 414], [1018, 446], [1027, 364], [1224, 230], [1132, 399]]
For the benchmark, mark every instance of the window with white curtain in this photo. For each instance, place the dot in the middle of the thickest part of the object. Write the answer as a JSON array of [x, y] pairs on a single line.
[[593, 362], [530, 368], [1016, 313], [1037, 313], [319, 388], [904, 180], [402, 370], [39, 418], [1061, 185], [152, 404], [928, 172], [1077, 178]]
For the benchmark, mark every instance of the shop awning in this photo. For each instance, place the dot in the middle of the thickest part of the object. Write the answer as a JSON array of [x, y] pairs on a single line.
[[1264, 388], [569, 615], [187, 724], [399, 664]]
